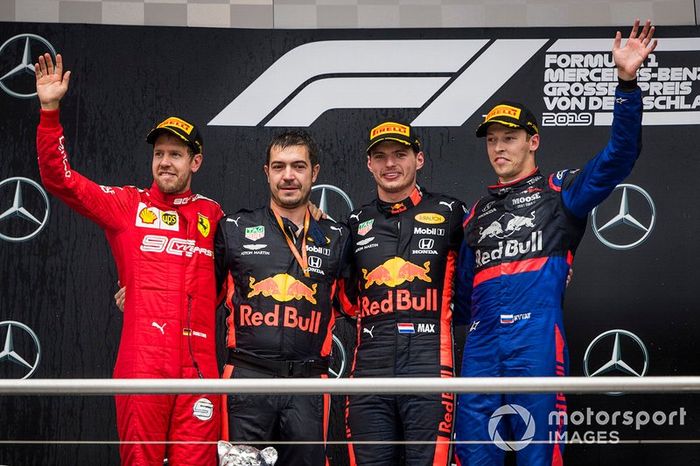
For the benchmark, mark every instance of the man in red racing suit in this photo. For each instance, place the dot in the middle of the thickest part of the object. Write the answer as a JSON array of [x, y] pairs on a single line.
[[162, 239]]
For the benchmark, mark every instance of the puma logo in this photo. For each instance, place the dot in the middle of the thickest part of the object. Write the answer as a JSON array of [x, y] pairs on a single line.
[[234, 220], [356, 216], [448, 204], [366, 330], [159, 327]]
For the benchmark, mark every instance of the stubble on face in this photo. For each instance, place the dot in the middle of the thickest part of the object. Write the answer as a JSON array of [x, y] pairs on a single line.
[[290, 176], [173, 164]]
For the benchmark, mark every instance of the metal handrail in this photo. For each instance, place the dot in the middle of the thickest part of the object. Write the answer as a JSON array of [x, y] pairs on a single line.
[[676, 384]]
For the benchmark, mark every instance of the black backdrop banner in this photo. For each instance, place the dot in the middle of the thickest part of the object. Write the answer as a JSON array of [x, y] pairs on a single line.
[[633, 273]]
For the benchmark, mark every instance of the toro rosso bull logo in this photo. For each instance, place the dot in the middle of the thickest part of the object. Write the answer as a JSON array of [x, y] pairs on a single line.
[[512, 222], [395, 271], [392, 273], [283, 288]]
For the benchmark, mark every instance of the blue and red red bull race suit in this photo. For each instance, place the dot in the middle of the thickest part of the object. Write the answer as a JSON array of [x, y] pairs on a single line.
[[163, 248], [520, 241], [279, 325], [404, 256]]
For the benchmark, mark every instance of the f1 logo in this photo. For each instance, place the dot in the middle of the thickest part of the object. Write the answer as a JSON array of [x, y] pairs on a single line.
[[318, 67]]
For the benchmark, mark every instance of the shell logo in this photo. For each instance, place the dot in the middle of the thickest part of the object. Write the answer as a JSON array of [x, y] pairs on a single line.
[[147, 216]]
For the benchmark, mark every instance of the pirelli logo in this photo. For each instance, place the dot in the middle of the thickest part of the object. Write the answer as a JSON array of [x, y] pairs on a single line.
[[390, 127], [178, 123], [506, 110]]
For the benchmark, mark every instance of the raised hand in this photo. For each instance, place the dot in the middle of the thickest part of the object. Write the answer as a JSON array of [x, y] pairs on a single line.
[[629, 58], [51, 82]]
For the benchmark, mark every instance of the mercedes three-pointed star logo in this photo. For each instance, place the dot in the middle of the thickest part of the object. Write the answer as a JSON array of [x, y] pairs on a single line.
[[8, 354], [323, 203], [624, 217], [34, 222], [616, 362], [26, 65]]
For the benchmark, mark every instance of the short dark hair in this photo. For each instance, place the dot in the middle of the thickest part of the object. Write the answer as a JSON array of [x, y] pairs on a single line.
[[294, 137]]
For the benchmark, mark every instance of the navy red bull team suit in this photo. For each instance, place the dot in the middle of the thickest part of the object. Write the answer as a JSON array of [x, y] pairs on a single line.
[[404, 256], [279, 325], [520, 243]]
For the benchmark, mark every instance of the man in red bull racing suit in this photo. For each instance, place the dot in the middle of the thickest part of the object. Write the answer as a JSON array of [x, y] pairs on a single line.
[[162, 239], [282, 268], [520, 241], [404, 247]]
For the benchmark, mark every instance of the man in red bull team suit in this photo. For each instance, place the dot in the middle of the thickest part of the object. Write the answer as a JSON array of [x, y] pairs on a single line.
[[519, 245], [281, 267], [404, 247], [162, 239]]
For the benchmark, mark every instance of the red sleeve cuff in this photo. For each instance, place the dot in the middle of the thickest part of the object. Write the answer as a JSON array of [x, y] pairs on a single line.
[[49, 118]]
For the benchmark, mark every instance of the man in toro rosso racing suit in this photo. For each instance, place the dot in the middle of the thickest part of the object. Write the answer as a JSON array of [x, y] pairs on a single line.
[[520, 242], [404, 247], [162, 239], [282, 268]]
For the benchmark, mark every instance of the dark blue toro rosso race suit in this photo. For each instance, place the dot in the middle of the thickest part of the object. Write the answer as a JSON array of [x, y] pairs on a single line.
[[520, 241]]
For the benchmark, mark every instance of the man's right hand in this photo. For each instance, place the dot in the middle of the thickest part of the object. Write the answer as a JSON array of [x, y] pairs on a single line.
[[119, 298], [51, 82]]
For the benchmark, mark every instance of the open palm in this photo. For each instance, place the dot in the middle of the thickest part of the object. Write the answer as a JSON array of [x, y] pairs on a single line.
[[51, 82], [629, 58]]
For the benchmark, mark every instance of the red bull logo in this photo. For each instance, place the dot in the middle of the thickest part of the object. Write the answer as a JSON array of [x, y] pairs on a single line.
[[282, 287], [447, 401], [395, 271], [288, 317], [400, 300]]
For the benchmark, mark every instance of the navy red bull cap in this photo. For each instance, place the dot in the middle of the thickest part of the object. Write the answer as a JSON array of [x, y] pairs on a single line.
[[511, 114], [393, 131], [186, 131]]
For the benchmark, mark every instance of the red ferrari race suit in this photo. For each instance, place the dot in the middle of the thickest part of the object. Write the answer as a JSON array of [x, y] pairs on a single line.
[[280, 324], [404, 256], [163, 246]]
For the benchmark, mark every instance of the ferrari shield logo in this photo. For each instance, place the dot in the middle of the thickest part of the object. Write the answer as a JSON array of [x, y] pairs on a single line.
[[203, 225]]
